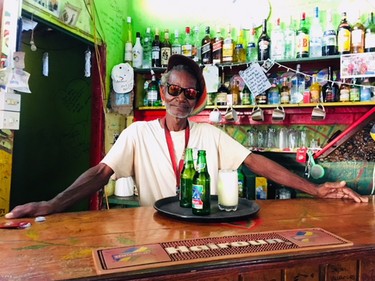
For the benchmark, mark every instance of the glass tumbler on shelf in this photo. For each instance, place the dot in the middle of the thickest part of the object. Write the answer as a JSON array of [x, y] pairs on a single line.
[[252, 138], [293, 139]]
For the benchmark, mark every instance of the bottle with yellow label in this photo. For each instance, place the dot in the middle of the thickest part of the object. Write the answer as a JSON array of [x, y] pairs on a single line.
[[344, 35], [303, 39], [315, 90]]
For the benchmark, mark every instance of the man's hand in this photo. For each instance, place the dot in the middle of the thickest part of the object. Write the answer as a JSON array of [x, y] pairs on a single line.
[[339, 190], [32, 209]]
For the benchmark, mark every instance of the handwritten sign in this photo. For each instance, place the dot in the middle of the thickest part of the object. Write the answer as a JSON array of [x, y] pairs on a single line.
[[255, 79]]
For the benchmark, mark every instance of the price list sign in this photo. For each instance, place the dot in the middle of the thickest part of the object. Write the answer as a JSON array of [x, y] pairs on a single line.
[[255, 79]]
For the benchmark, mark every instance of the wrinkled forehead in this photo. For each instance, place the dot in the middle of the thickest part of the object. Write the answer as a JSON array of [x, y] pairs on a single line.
[[182, 78]]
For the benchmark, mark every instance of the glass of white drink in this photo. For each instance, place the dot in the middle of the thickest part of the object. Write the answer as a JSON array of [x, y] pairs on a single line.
[[228, 190]]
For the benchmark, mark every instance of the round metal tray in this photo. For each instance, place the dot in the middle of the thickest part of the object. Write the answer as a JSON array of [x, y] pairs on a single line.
[[170, 206]]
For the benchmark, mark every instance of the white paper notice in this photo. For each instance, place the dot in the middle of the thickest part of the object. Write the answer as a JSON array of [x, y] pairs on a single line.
[[255, 79], [211, 77]]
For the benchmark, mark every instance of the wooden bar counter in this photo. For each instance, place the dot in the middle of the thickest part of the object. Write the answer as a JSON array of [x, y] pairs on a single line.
[[61, 247]]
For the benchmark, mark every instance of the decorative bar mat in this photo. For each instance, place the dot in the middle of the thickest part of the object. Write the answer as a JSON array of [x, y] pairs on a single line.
[[131, 258]]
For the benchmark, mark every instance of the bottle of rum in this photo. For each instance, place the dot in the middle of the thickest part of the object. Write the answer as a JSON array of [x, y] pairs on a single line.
[[344, 35], [166, 49], [264, 43]]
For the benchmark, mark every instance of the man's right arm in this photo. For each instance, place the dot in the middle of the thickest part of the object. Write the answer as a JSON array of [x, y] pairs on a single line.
[[84, 186]]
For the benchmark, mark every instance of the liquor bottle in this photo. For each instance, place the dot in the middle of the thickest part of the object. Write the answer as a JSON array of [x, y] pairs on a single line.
[[166, 49], [251, 52], [316, 35], [264, 43], [290, 40], [298, 86], [261, 99], [357, 42], [201, 195], [147, 49], [303, 39], [329, 46], [155, 52], [235, 93], [285, 92], [206, 48], [187, 175], [344, 91], [278, 42], [328, 94], [343, 36], [370, 34], [228, 47], [128, 44], [217, 47], [137, 52], [274, 93], [196, 51], [187, 47], [315, 89], [245, 96], [354, 95], [239, 54], [366, 90], [153, 95], [176, 45], [222, 92]]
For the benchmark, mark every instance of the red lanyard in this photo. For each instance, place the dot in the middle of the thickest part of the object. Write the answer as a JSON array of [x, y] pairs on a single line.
[[177, 169]]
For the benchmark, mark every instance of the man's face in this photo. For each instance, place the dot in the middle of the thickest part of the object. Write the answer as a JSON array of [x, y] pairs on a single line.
[[179, 106]]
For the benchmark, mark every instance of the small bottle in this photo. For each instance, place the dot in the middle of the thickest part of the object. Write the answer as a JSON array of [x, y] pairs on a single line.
[[278, 42], [166, 49], [201, 198], [315, 90], [264, 43], [343, 36], [370, 34], [176, 45], [251, 52], [217, 47], [354, 95], [155, 52], [187, 46], [137, 52], [329, 46], [344, 91], [187, 176], [206, 51], [357, 41], [316, 35], [285, 92], [147, 49], [303, 39], [228, 47], [129, 45]]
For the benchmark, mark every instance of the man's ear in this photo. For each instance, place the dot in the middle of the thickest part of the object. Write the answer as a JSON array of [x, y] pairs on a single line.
[[162, 92]]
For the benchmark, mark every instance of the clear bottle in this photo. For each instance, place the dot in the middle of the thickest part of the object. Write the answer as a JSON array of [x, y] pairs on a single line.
[[278, 42], [274, 93], [298, 86], [196, 46], [285, 91], [329, 46], [316, 35], [129, 43], [176, 45], [147, 49], [155, 51], [290, 40], [137, 51], [206, 54], [264, 43], [315, 90], [343, 35], [303, 39], [357, 41], [370, 34], [251, 52], [166, 49], [228, 47], [201, 202], [187, 176], [187, 46], [217, 47]]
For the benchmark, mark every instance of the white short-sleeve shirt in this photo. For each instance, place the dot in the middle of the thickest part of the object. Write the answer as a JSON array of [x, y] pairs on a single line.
[[141, 151]]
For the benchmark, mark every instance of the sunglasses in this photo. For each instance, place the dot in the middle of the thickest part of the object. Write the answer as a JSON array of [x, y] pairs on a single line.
[[175, 91]]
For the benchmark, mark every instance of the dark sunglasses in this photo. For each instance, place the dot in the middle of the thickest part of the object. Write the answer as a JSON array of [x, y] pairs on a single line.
[[175, 91]]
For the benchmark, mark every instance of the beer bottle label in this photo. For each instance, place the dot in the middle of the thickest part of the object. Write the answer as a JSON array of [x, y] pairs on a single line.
[[197, 202]]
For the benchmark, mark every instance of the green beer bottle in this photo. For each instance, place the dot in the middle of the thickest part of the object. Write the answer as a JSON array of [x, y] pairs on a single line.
[[201, 201], [187, 176]]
